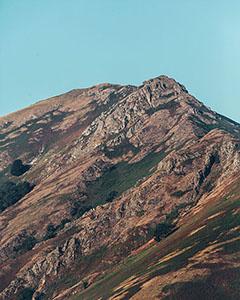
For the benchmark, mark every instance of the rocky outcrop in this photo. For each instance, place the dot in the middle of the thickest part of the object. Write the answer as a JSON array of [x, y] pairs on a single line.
[[138, 210], [154, 149]]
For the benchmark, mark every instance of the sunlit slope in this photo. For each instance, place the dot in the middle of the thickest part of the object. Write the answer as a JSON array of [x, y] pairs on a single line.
[[201, 260]]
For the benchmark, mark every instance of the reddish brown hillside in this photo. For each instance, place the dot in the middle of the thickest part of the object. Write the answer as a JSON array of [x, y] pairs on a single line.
[[103, 171]]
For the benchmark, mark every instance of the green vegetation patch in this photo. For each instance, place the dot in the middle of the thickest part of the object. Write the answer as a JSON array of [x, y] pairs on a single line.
[[219, 229], [121, 177]]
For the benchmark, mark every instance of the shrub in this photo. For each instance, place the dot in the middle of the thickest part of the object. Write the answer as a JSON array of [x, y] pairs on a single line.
[[25, 245], [11, 192], [85, 284], [25, 294], [163, 230], [52, 230], [62, 224], [178, 193], [77, 209], [104, 87], [18, 168], [175, 212]]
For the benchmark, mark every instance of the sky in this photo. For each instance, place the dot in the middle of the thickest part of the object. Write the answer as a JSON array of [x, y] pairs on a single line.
[[49, 47]]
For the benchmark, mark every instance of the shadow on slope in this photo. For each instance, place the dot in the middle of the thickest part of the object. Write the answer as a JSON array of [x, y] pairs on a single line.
[[214, 226]]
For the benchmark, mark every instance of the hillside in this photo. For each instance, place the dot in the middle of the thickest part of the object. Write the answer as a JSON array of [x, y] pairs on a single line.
[[119, 192]]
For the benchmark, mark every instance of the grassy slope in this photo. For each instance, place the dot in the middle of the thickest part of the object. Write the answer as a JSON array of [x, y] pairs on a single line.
[[122, 177], [220, 232]]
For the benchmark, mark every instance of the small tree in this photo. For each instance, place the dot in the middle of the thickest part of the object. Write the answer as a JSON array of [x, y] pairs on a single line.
[[78, 209], [163, 230], [18, 168], [11, 192], [51, 232], [25, 294]]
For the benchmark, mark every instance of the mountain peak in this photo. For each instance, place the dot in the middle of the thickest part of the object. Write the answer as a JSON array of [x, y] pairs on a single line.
[[164, 82], [106, 170]]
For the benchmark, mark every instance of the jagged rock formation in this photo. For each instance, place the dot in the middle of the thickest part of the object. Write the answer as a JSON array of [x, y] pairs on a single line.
[[109, 164]]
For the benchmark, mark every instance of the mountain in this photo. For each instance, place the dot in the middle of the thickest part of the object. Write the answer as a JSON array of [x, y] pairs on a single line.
[[120, 192]]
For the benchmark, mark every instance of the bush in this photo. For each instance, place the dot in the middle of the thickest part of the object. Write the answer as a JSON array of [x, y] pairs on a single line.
[[52, 230], [175, 212], [178, 193], [11, 192], [18, 168], [85, 284], [26, 244], [163, 230], [62, 224], [77, 209], [25, 294]]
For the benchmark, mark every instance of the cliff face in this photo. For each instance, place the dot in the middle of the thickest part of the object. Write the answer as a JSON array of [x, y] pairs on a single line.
[[109, 169]]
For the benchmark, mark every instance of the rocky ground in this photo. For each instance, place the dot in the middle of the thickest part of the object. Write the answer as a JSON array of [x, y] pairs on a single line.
[[116, 175]]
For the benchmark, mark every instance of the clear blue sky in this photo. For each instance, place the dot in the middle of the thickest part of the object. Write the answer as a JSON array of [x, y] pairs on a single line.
[[51, 46]]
